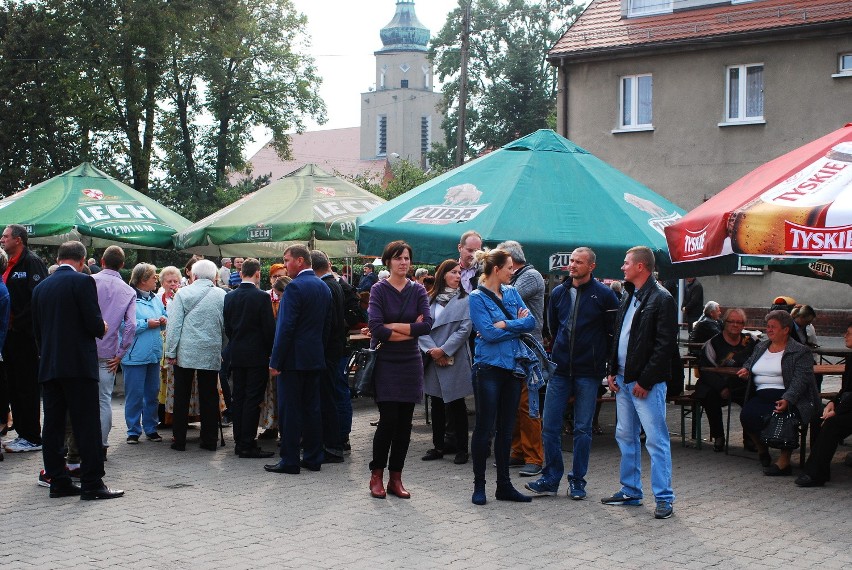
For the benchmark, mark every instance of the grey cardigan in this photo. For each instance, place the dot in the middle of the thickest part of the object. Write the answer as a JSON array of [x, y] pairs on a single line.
[[797, 371], [195, 333], [450, 332]]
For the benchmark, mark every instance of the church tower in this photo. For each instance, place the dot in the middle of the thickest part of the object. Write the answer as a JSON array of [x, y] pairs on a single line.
[[400, 117]]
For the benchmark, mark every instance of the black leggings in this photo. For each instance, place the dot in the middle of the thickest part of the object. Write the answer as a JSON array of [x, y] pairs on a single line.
[[393, 435], [452, 415]]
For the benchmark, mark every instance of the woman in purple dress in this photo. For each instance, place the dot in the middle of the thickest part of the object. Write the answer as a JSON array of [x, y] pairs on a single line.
[[398, 314]]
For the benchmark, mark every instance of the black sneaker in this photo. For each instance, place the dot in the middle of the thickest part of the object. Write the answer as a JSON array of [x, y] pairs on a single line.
[[132, 439], [153, 437], [664, 510]]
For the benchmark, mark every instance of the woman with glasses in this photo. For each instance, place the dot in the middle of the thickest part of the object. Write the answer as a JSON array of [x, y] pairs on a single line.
[[731, 347]]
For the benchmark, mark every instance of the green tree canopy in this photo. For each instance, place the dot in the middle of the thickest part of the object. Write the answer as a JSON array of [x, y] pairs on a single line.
[[511, 88]]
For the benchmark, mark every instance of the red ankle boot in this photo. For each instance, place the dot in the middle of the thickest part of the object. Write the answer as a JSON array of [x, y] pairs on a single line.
[[377, 487], [395, 485]]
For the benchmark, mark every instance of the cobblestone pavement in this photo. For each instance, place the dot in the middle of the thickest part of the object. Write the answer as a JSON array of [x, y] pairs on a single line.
[[213, 510]]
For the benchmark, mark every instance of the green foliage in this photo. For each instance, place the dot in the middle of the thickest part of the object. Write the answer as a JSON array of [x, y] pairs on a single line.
[[405, 176], [511, 88], [141, 87]]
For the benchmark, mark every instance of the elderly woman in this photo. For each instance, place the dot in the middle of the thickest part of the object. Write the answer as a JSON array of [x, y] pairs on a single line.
[[705, 328], [446, 377], [195, 335], [399, 314], [5, 310], [169, 284], [731, 347], [498, 388], [781, 377], [141, 364]]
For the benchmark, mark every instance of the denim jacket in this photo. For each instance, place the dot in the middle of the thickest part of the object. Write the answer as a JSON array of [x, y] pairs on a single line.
[[498, 347]]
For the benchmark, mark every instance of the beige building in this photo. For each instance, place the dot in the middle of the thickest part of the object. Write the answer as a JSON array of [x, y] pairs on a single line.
[[687, 96], [400, 117]]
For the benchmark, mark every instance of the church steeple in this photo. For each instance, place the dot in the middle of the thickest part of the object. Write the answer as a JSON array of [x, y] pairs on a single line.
[[404, 32]]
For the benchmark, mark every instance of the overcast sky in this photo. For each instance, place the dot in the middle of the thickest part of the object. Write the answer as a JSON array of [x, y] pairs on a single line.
[[344, 36]]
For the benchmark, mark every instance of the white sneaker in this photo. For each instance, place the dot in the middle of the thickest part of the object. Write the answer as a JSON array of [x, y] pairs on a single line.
[[21, 445]]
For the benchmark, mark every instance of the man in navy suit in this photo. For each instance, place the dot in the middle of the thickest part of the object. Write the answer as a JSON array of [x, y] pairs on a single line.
[[66, 321], [250, 329], [298, 359]]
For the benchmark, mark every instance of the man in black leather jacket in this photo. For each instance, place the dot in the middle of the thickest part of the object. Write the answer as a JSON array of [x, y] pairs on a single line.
[[639, 367]]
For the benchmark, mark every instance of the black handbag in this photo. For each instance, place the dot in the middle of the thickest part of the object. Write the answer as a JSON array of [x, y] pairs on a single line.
[[363, 360], [363, 363], [781, 431]]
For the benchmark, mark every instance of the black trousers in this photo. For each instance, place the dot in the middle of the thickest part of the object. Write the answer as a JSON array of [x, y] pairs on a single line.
[[79, 399], [393, 435], [331, 433], [452, 415], [21, 356], [832, 432], [208, 403], [247, 395], [712, 403]]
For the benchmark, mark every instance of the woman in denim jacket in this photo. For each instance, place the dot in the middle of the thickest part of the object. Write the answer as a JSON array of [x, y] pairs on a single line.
[[497, 388], [141, 364]]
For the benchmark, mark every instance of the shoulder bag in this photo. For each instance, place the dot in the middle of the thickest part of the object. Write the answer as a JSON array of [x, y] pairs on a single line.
[[363, 360]]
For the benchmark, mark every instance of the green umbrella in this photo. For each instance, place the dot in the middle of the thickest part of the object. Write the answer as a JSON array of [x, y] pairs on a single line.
[[88, 205], [542, 191], [308, 206]]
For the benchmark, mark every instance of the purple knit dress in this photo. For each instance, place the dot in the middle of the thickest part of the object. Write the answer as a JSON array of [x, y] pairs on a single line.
[[399, 365]]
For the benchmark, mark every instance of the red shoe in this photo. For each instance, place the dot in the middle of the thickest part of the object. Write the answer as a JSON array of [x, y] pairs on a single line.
[[395, 486], [377, 487]]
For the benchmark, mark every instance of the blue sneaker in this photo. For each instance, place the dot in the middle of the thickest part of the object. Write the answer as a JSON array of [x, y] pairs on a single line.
[[576, 490], [622, 499], [664, 510], [541, 488]]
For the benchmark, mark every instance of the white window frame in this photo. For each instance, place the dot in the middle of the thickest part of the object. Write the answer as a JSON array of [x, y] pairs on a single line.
[[742, 98], [634, 125], [841, 70], [659, 7]]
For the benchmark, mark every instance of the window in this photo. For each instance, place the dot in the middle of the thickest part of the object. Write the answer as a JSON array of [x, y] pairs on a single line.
[[744, 100], [636, 101], [648, 7], [425, 138], [382, 136], [844, 65], [404, 83]]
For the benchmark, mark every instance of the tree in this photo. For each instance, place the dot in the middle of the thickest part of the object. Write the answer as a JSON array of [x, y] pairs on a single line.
[[37, 97], [511, 88], [256, 75], [404, 176]]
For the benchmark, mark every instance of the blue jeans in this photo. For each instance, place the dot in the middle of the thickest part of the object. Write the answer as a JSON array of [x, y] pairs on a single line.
[[141, 388], [498, 392], [648, 413], [559, 391]]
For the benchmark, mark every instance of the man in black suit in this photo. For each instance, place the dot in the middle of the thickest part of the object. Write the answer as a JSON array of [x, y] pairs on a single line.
[[66, 320], [250, 329], [331, 390], [298, 359]]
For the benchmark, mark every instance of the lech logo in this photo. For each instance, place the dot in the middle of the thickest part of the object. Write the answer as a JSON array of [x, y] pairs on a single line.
[[260, 232], [93, 193]]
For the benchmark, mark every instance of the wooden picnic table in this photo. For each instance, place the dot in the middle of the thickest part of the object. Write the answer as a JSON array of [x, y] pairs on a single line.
[[818, 369], [840, 353]]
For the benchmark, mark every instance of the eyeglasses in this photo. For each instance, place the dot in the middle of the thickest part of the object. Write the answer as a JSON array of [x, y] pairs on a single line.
[[275, 277], [740, 323]]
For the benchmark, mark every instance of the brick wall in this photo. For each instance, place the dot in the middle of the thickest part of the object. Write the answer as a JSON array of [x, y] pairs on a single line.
[[829, 322]]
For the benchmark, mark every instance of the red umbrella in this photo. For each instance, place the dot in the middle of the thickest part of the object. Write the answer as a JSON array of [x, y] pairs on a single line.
[[798, 206]]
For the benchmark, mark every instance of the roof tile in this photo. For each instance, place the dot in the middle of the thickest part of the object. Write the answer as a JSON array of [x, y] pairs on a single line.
[[601, 26]]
